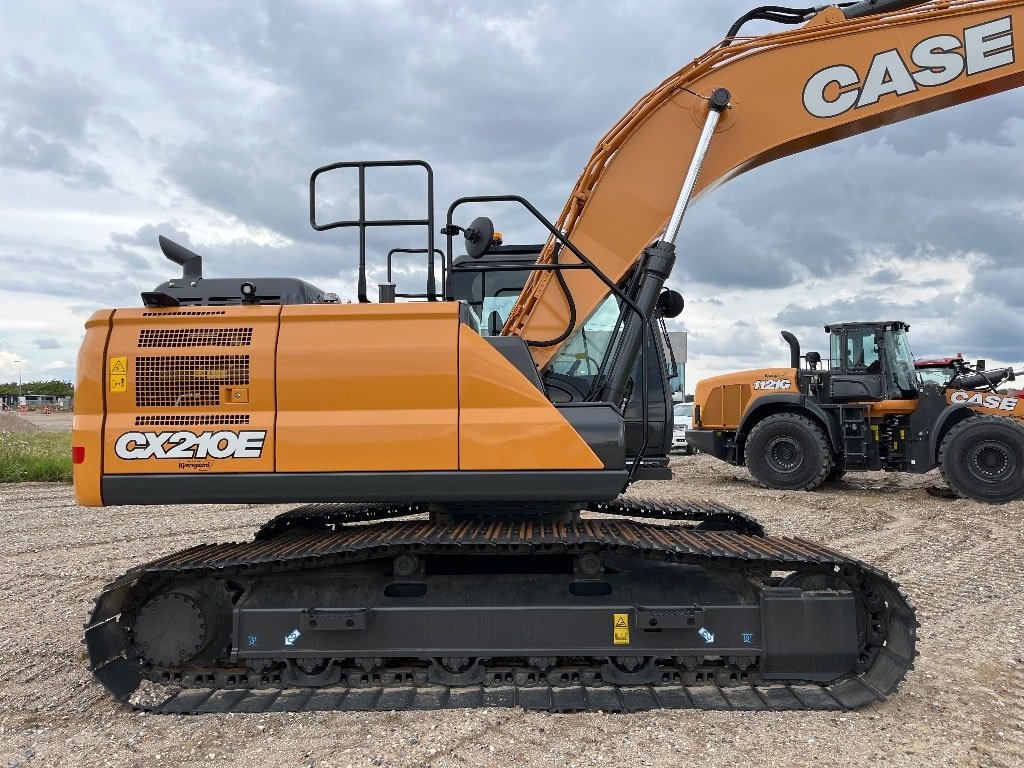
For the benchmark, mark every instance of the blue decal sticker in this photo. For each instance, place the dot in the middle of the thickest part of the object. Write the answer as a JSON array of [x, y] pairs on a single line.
[[252, 639], [709, 637], [748, 637], [291, 637]]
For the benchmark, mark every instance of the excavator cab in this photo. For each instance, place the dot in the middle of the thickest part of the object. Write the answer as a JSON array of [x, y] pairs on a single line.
[[870, 361]]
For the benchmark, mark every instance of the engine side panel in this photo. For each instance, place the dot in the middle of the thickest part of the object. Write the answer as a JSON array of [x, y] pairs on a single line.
[[368, 387], [724, 399]]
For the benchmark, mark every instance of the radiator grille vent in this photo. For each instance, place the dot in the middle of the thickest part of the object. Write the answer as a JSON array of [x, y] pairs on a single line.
[[179, 312], [187, 381], [191, 421], [195, 337]]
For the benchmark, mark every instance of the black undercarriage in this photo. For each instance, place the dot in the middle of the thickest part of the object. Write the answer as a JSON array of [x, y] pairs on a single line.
[[321, 612]]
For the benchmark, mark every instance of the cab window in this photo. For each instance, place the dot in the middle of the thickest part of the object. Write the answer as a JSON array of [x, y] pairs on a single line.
[[861, 353], [585, 351], [902, 364]]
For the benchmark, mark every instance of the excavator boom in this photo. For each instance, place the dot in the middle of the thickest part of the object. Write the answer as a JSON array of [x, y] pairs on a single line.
[[832, 78]]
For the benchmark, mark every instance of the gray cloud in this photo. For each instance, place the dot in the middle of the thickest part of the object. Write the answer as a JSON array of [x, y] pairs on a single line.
[[884, 306], [47, 343], [998, 235], [127, 259], [1003, 283], [258, 186], [717, 249], [487, 93], [742, 339], [885, 275], [44, 113]]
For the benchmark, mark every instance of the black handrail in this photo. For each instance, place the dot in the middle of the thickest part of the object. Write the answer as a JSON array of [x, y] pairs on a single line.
[[430, 296], [362, 222]]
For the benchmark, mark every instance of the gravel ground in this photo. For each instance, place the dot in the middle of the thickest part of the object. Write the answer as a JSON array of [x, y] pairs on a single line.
[[36, 421], [13, 422], [962, 705]]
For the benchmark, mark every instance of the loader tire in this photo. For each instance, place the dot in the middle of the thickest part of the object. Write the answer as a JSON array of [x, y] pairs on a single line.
[[789, 452], [982, 458]]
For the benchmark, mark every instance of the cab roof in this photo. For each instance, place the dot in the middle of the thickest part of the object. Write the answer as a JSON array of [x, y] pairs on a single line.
[[884, 325]]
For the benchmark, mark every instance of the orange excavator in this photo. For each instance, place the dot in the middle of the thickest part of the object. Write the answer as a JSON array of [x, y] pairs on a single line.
[[466, 538]]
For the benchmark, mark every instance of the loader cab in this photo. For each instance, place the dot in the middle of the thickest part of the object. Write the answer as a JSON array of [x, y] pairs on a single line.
[[870, 361]]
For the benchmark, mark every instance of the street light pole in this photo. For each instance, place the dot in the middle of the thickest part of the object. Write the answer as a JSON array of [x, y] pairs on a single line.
[[17, 402]]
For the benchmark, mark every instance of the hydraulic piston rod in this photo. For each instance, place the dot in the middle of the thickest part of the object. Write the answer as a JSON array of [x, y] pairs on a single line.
[[719, 101]]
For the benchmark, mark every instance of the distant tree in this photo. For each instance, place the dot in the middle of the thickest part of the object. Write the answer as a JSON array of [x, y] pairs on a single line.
[[53, 387]]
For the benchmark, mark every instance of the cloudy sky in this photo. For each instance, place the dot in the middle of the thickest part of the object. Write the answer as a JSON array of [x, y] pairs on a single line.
[[202, 121]]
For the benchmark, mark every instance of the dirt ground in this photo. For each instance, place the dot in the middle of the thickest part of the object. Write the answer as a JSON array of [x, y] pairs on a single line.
[[961, 563]]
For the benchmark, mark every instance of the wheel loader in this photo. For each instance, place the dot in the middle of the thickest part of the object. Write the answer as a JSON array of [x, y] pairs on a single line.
[[865, 408], [464, 535]]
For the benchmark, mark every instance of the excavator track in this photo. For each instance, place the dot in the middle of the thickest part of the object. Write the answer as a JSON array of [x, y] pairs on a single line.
[[115, 633], [707, 516], [329, 517]]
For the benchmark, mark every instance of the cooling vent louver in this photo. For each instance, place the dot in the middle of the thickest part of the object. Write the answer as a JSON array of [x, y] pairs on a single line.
[[188, 381], [195, 337], [179, 312], [191, 421]]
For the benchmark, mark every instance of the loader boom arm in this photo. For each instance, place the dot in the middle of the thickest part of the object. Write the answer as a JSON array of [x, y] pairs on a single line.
[[830, 79]]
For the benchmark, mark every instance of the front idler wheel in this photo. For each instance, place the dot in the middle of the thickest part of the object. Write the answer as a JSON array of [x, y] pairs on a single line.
[[871, 613]]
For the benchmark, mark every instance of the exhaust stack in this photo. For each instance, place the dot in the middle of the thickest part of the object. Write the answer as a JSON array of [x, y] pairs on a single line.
[[191, 263], [794, 349]]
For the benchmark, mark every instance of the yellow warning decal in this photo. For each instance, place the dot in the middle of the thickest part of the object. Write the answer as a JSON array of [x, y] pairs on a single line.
[[119, 374], [620, 628]]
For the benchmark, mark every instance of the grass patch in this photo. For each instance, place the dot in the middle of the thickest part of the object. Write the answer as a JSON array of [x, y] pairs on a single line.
[[35, 456]]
